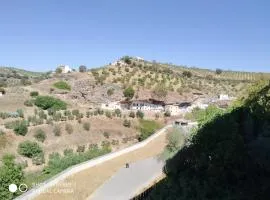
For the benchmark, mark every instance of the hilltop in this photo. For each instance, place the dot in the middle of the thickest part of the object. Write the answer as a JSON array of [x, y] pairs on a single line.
[[10, 76], [180, 82]]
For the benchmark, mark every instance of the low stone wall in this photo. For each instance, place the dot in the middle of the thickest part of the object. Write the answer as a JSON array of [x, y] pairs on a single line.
[[82, 166]]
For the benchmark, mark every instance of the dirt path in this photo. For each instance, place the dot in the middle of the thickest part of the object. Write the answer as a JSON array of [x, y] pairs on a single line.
[[81, 185]]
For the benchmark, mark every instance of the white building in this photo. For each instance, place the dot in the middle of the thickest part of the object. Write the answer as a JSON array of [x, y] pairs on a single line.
[[65, 69], [111, 105], [147, 105], [119, 63], [173, 109], [139, 58], [224, 97]]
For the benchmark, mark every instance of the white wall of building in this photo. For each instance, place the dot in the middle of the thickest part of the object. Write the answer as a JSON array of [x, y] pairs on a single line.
[[111, 105], [138, 105], [173, 109], [224, 97]]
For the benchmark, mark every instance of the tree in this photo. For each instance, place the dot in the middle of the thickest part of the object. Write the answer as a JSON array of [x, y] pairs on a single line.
[[132, 114], [86, 126], [2, 90], [127, 59], [58, 70], [219, 71], [126, 123], [129, 92], [40, 135], [21, 128], [29, 149], [160, 91], [110, 91], [82, 68], [139, 114], [10, 173], [187, 74]]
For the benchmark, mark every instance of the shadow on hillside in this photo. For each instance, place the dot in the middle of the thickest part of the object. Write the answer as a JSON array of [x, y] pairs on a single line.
[[229, 158]]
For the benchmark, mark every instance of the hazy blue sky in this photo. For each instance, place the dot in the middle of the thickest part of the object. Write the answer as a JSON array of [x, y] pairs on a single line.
[[229, 34]]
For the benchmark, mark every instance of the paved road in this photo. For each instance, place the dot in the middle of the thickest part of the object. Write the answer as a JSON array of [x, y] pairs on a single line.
[[128, 181]]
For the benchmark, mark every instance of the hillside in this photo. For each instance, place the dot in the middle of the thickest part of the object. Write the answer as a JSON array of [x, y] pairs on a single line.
[[60, 116], [10, 76], [180, 81]]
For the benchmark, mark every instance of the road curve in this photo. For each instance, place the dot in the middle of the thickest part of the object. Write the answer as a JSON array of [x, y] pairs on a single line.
[[128, 181]]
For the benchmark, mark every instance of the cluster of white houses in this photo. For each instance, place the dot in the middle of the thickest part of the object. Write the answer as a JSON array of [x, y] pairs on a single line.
[[175, 108], [154, 106]]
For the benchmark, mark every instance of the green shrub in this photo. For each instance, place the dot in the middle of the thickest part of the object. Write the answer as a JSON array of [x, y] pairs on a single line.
[[62, 85], [2, 132], [187, 74], [118, 112], [147, 128], [2, 90], [20, 113], [106, 135], [59, 163], [110, 91], [139, 114], [28, 103], [115, 142], [126, 123], [46, 102], [38, 159], [86, 126], [106, 145], [108, 114], [176, 141], [29, 149], [69, 128], [82, 68], [76, 112], [33, 93], [40, 135], [167, 113], [68, 152], [57, 130], [129, 92], [81, 148], [10, 172], [21, 128], [132, 114]]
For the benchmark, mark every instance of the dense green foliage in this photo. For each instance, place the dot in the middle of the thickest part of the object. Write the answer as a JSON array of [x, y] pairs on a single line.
[[126, 123], [82, 68], [86, 126], [201, 115], [129, 92], [46, 102], [21, 128], [62, 85], [139, 114], [2, 90], [147, 128], [10, 173], [29, 149], [228, 157], [40, 135], [58, 163], [33, 93], [176, 141]]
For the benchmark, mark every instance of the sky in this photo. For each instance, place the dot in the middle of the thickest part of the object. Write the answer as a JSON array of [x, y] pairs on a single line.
[[41, 35]]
